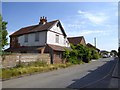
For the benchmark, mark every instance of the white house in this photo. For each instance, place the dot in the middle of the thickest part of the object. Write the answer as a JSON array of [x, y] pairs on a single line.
[[45, 37]]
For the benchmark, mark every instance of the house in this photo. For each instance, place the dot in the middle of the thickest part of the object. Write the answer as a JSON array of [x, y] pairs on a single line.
[[77, 40], [45, 37], [91, 46]]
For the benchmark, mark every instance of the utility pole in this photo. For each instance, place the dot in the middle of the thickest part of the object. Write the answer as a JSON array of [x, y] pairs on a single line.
[[95, 41]]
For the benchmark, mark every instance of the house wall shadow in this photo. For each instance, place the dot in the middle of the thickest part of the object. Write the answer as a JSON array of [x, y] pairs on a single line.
[[93, 75]]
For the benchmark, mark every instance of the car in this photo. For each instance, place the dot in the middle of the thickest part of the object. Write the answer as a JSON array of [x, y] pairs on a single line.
[[105, 56]]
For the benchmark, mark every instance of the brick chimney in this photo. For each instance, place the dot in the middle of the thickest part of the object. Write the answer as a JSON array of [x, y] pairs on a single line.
[[43, 20]]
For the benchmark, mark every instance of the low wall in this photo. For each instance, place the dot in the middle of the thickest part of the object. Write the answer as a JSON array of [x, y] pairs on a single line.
[[12, 59]]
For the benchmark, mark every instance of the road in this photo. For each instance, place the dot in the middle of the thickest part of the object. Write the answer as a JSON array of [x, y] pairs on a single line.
[[97, 73]]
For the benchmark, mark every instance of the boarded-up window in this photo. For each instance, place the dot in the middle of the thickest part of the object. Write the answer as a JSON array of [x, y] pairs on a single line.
[[57, 38], [59, 54], [37, 36], [26, 38]]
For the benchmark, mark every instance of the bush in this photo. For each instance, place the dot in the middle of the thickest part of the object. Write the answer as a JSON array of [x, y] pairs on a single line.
[[94, 54], [80, 53]]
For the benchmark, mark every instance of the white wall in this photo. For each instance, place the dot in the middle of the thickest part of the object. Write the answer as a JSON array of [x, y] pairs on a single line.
[[51, 37], [31, 39], [56, 29]]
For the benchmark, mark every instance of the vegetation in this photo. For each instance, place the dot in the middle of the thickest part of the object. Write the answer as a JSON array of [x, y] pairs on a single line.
[[80, 53], [30, 68], [3, 34], [113, 53]]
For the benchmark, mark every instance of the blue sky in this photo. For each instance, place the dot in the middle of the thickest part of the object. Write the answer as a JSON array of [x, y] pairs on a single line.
[[88, 19]]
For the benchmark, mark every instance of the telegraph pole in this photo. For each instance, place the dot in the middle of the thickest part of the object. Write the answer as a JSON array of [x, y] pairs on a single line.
[[95, 41]]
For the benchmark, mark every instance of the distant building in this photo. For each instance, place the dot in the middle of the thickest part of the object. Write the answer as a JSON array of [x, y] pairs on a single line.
[[91, 46], [105, 53], [45, 37], [77, 40]]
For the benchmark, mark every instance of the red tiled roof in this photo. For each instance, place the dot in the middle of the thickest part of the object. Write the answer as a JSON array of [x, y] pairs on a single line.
[[34, 28], [57, 48], [91, 46], [75, 40]]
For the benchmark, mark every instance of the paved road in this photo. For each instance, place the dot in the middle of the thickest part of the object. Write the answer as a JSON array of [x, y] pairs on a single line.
[[78, 76]]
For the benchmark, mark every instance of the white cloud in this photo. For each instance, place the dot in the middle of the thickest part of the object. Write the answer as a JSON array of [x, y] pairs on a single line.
[[116, 13], [89, 32], [96, 18]]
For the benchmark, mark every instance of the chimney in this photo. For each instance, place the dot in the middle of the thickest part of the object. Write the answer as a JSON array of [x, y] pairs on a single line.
[[43, 20]]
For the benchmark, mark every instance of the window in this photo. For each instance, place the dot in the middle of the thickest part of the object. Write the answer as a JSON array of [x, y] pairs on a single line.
[[57, 38], [59, 54], [37, 36], [26, 38], [64, 41]]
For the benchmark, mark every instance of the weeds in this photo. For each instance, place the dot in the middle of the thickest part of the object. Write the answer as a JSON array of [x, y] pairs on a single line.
[[31, 68]]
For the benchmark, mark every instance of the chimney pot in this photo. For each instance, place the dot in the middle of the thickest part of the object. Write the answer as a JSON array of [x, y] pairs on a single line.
[[43, 20]]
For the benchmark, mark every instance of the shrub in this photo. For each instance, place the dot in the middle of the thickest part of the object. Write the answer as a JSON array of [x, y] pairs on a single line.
[[94, 54], [80, 53]]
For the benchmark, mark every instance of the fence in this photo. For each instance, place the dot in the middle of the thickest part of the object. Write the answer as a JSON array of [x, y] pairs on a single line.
[[13, 59]]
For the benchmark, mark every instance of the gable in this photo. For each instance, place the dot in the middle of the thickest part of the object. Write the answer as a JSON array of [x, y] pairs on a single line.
[[91, 46], [57, 28], [77, 40]]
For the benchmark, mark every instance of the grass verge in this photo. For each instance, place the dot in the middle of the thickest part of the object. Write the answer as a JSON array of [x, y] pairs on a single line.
[[29, 69], [23, 69]]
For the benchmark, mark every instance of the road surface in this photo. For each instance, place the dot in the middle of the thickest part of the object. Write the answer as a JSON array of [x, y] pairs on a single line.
[[96, 74]]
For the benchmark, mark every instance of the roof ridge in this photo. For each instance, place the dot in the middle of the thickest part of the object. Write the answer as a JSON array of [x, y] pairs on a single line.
[[76, 37]]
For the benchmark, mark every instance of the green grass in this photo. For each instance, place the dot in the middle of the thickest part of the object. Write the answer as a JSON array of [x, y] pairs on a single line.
[[30, 69]]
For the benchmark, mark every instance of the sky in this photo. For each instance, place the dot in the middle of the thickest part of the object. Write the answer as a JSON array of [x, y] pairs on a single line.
[[89, 19]]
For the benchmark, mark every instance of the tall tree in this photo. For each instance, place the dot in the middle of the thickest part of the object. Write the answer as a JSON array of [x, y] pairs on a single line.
[[3, 33], [114, 52]]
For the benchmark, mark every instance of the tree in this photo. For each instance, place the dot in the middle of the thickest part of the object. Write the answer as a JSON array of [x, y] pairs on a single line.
[[3, 33], [94, 54], [66, 54], [114, 52]]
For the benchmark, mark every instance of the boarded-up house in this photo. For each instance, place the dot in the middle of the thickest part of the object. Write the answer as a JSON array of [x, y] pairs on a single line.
[[45, 37]]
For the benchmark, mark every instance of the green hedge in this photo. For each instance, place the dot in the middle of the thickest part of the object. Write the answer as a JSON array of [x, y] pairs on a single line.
[[80, 53]]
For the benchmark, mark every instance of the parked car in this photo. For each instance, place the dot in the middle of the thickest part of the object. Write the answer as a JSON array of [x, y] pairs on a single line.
[[105, 56]]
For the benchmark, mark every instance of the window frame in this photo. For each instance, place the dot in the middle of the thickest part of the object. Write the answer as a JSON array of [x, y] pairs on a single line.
[[26, 38], [57, 38], [36, 37]]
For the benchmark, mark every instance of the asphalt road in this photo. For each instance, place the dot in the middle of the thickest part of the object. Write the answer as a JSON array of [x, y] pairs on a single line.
[[89, 75]]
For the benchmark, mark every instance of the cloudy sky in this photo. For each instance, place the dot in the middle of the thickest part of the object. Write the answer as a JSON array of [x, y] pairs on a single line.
[[88, 19]]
